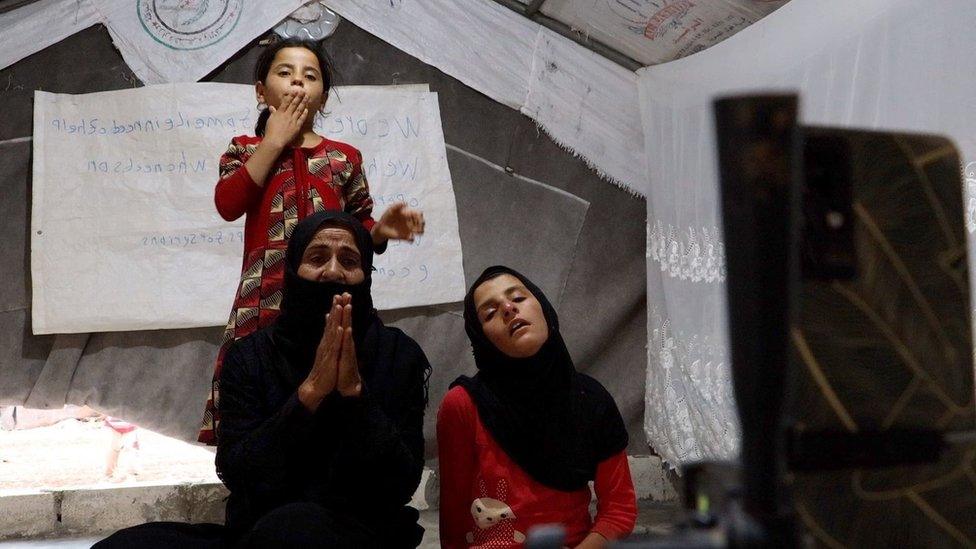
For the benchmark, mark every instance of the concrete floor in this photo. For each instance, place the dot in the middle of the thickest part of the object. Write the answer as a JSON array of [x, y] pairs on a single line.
[[428, 519], [654, 518], [172, 480], [73, 543]]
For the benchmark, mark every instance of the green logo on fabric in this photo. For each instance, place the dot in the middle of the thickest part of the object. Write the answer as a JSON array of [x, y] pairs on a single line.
[[189, 24]]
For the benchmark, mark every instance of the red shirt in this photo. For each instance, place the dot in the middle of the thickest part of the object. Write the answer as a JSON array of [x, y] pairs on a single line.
[[327, 176], [489, 501]]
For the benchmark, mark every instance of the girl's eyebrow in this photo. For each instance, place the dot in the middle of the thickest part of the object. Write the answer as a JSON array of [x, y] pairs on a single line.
[[492, 300], [289, 65]]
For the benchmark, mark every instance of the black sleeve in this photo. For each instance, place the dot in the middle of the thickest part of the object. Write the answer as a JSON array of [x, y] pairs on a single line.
[[256, 446], [382, 458]]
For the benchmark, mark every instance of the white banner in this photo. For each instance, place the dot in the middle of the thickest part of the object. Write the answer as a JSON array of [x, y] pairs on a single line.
[[658, 31], [124, 233], [183, 41]]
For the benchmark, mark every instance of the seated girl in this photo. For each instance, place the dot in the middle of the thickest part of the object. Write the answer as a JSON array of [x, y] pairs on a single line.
[[520, 441]]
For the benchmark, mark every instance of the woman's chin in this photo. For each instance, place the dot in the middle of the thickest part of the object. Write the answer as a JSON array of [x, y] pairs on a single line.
[[523, 347]]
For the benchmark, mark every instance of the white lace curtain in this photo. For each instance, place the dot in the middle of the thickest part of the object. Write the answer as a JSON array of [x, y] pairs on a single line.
[[888, 64]]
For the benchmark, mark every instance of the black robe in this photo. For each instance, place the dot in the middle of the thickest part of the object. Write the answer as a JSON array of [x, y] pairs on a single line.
[[359, 457]]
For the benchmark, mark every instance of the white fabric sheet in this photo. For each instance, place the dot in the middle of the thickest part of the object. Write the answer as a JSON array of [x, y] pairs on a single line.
[[658, 31], [479, 42], [585, 102], [32, 28], [886, 64], [124, 233], [178, 41], [588, 105]]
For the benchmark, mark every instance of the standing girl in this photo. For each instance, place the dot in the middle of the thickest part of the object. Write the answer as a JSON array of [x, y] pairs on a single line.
[[283, 174], [520, 441]]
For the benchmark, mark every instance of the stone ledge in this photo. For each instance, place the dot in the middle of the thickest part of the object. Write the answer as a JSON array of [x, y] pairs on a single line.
[[83, 511], [28, 514], [95, 510]]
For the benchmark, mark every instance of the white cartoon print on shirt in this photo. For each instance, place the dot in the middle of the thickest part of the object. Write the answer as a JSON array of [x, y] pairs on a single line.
[[493, 518]]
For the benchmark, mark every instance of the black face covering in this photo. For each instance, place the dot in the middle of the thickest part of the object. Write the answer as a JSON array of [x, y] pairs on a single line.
[[298, 329], [555, 423]]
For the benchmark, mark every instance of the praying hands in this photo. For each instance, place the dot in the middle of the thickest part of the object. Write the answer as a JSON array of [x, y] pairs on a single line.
[[335, 366]]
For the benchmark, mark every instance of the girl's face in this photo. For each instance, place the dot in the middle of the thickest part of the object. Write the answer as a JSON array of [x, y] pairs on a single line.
[[511, 317], [294, 71]]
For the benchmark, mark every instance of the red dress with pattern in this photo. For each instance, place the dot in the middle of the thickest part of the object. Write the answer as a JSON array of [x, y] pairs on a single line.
[[488, 501], [328, 176]]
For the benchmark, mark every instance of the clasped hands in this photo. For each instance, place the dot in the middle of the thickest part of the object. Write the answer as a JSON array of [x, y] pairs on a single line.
[[335, 366]]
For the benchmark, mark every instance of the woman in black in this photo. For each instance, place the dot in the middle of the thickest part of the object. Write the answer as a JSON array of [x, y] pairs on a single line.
[[321, 433]]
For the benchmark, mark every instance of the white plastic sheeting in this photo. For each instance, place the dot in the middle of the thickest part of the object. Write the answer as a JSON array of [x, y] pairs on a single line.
[[182, 42], [885, 64], [482, 44], [587, 103], [38, 25], [657, 31], [162, 42]]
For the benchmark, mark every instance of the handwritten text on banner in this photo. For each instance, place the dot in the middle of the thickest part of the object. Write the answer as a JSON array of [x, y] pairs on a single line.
[[124, 234]]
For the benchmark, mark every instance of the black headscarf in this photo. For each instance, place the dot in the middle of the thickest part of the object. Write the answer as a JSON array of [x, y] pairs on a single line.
[[554, 422], [298, 329]]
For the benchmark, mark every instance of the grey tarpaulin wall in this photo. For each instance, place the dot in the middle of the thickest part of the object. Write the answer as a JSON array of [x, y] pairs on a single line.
[[581, 238]]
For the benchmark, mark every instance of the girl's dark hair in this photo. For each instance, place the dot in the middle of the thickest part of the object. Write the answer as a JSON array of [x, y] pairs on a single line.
[[263, 66]]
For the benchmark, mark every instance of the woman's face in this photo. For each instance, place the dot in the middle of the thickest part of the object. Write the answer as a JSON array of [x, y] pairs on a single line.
[[294, 71], [332, 256], [511, 317]]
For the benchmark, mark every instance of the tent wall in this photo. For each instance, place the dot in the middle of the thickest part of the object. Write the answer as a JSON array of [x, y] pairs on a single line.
[[553, 218]]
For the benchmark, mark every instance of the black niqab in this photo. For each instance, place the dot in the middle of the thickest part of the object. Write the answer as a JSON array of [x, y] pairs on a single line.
[[298, 329]]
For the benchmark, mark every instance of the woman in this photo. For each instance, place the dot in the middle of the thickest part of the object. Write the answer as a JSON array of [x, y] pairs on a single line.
[[321, 441], [520, 441]]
